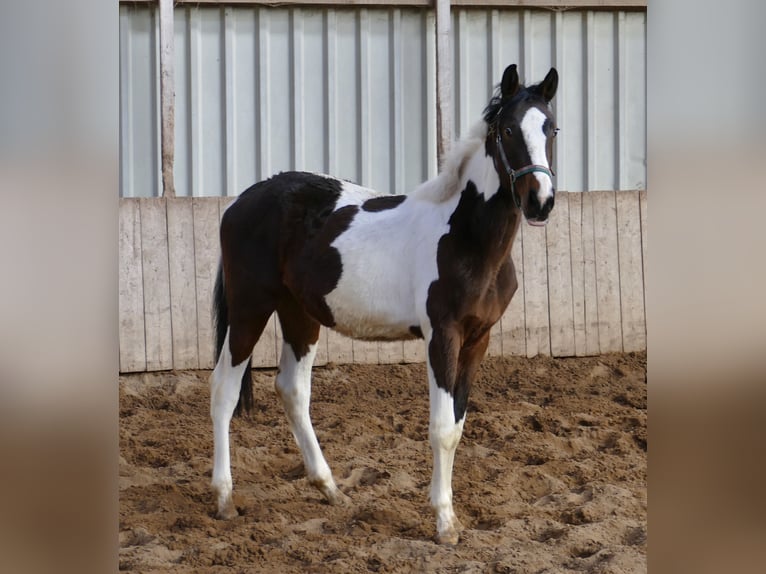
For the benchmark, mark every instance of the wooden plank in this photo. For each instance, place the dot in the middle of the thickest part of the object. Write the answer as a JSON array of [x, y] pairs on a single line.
[[630, 271], [495, 347], [512, 322], [391, 353], [578, 268], [131, 290], [156, 275], [537, 323], [644, 233], [206, 256], [278, 338], [183, 291], [414, 351], [339, 348], [560, 279], [590, 292], [223, 204], [321, 356], [365, 352], [607, 271], [267, 349]]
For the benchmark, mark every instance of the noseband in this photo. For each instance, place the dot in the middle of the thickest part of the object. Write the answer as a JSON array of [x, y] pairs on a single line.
[[515, 174]]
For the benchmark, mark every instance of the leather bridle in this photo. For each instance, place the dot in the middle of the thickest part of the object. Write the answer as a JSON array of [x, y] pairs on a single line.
[[515, 174]]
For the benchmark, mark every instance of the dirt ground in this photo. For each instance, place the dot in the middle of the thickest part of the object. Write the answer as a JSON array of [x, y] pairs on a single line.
[[550, 475]]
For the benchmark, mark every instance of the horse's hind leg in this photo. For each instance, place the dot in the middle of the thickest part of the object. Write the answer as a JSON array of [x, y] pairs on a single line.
[[293, 385], [225, 384]]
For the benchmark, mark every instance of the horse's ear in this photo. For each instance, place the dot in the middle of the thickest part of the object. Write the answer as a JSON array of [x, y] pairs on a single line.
[[549, 85], [510, 84]]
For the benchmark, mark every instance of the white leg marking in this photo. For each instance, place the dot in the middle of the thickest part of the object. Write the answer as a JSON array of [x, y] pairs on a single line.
[[444, 434], [225, 383], [293, 386]]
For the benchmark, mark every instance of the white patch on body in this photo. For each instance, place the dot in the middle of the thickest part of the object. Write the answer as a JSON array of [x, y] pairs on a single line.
[[353, 194], [389, 261], [534, 137]]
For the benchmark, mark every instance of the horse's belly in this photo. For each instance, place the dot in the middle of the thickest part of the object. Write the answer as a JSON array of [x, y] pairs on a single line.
[[364, 306], [381, 291]]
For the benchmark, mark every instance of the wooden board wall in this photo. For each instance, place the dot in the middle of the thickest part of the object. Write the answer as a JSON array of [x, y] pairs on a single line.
[[581, 286]]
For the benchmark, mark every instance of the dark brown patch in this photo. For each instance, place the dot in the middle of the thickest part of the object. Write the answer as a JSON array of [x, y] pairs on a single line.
[[317, 272], [272, 218], [417, 331], [383, 202], [475, 284], [299, 329]]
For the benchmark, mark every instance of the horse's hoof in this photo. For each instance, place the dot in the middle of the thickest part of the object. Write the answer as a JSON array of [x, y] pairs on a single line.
[[449, 537], [227, 513], [337, 497]]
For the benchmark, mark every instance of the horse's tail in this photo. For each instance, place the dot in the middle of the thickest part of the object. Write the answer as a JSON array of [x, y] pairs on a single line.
[[221, 318]]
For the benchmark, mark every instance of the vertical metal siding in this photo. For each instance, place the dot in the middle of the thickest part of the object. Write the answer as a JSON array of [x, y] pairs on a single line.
[[351, 92]]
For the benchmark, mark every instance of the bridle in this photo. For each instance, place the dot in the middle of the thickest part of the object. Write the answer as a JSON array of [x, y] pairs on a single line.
[[515, 174]]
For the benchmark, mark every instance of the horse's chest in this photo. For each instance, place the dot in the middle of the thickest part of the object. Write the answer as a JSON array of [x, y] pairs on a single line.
[[472, 294]]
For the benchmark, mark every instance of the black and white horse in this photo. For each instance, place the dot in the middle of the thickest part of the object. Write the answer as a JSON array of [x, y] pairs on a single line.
[[434, 264]]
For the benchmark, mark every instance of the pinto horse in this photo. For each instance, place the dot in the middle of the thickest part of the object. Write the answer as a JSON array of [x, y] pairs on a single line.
[[434, 264]]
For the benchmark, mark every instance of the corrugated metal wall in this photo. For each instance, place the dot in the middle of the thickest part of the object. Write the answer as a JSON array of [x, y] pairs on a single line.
[[351, 92]]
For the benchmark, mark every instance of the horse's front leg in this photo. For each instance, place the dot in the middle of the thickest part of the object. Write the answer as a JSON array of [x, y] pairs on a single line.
[[451, 369], [445, 428]]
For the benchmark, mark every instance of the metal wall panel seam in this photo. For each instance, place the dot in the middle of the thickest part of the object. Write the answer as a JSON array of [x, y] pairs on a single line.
[[195, 115], [127, 165], [298, 133], [230, 101], [591, 99], [461, 78], [559, 151], [395, 62], [621, 102], [331, 164], [429, 54], [526, 47], [364, 169], [156, 105], [494, 66], [264, 100]]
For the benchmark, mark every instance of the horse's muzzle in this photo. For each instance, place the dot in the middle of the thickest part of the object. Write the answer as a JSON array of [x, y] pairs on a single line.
[[538, 214]]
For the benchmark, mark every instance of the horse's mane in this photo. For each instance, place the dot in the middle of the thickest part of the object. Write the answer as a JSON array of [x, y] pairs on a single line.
[[446, 183]]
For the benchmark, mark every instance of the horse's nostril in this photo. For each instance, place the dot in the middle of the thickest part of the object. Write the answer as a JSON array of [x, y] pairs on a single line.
[[547, 206]]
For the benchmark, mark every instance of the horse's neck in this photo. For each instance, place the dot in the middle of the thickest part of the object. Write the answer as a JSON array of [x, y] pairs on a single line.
[[479, 169], [490, 214]]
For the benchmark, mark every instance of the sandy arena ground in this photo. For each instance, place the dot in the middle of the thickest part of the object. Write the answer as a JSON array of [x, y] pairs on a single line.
[[550, 475]]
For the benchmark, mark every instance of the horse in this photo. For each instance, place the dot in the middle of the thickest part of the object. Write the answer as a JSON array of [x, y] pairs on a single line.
[[434, 264]]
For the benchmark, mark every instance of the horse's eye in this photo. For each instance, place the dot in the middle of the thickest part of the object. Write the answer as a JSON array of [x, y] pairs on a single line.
[[508, 132], [556, 132]]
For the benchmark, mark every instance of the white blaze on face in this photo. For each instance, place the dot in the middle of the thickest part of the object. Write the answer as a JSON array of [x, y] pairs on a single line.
[[534, 137]]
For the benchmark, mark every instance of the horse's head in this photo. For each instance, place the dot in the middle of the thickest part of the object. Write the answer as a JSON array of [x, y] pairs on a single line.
[[521, 128]]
